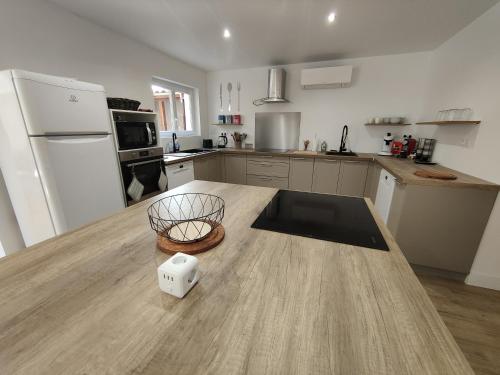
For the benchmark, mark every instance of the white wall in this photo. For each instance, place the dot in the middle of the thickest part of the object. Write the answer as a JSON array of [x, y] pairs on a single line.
[[465, 72], [42, 37], [382, 86]]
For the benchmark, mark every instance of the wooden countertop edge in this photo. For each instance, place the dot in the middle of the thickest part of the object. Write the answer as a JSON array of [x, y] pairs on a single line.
[[383, 161]]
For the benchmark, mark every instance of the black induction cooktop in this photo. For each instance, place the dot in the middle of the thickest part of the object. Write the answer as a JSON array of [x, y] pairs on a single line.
[[325, 217]]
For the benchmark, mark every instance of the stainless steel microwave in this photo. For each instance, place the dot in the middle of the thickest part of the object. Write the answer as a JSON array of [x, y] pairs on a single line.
[[135, 131], [135, 134]]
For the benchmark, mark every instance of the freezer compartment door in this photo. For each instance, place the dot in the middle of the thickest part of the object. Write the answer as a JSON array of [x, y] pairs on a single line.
[[81, 178], [51, 109]]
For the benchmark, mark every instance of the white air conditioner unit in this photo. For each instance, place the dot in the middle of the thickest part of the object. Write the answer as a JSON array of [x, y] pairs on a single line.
[[329, 77]]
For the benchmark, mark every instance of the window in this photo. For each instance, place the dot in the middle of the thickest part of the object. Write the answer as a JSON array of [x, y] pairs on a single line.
[[175, 105]]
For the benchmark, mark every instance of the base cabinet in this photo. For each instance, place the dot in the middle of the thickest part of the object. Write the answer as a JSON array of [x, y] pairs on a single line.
[[206, 168], [235, 169], [301, 174], [326, 176], [352, 179]]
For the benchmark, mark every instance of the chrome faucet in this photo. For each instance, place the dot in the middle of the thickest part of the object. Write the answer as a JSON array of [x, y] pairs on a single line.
[[343, 139]]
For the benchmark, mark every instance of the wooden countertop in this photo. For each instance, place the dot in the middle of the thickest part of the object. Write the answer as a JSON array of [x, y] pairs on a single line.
[[402, 169], [88, 302]]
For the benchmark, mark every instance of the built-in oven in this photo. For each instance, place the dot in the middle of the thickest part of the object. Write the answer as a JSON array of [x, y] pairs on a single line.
[[146, 165], [134, 132]]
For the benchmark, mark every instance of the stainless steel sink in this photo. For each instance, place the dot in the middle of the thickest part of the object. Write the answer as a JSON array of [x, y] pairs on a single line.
[[338, 153], [189, 152]]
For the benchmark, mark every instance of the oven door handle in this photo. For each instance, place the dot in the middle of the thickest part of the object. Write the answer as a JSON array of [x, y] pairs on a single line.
[[150, 136], [143, 162]]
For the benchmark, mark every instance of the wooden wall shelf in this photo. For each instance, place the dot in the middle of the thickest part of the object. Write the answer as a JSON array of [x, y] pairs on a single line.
[[387, 124], [216, 123], [449, 123]]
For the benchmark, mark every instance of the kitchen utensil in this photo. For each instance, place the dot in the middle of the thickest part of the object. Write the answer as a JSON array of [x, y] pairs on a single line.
[[435, 175], [208, 143], [221, 119], [396, 120], [378, 120], [229, 88], [178, 274], [135, 189], [238, 87], [220, 96], [162, 182], [237, 119], [238, 138]]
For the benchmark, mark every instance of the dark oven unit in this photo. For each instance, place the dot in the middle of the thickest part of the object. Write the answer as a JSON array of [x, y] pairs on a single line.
[[146, 165]]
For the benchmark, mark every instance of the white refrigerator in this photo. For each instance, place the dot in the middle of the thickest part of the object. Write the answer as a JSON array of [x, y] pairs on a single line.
[[57, 153]]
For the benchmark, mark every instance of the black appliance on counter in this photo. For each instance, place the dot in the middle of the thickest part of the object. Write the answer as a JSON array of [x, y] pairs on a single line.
[[208, 143], [325, 217], [424, 151]]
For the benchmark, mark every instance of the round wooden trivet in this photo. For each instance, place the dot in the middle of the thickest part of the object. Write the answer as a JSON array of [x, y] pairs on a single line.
[[209, 242]]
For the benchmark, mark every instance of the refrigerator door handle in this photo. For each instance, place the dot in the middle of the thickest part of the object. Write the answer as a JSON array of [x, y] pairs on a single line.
[[70, 134], [150, 136]]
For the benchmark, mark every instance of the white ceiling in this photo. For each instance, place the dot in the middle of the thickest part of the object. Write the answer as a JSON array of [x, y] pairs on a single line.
[[269, 32]]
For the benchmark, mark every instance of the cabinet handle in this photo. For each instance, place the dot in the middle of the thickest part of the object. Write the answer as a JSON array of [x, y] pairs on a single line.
[[331, 160], [265, 178], [265, 156], [298, 158], [350, 161]]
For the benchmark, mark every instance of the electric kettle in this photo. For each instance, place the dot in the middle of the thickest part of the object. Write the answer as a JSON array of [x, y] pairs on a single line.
[[222, 141]]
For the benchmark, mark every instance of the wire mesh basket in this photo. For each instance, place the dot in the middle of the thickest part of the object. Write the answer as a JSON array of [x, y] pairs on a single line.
[[186, 218]]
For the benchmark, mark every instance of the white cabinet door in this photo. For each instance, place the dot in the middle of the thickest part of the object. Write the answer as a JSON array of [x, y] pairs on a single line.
[[80, 176], [386, 185]]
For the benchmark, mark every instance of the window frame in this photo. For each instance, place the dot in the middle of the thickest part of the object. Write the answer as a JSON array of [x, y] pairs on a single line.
[[195, 113]]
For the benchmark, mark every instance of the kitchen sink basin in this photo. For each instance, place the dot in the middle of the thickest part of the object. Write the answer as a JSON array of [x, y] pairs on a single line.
[[189, 152], [338, 153]]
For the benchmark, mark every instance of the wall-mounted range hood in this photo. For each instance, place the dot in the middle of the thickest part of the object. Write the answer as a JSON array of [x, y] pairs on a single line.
[[276, 80]]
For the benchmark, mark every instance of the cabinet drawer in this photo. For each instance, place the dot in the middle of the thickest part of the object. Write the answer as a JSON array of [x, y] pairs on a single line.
[[269, 167], [269, 158], [267, 181]]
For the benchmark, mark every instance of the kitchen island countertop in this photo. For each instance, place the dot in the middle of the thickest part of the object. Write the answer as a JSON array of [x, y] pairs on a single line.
[[88, 302]]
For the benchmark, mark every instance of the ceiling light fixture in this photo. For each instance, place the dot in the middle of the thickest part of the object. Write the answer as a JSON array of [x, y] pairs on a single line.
[[226, 34], [331, 17]]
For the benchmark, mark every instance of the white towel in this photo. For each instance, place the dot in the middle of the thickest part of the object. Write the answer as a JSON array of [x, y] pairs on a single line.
[[135, 189], [162, 182]]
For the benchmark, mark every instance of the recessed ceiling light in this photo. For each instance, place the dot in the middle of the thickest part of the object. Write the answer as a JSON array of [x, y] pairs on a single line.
[[226, 34], [331, 17]]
